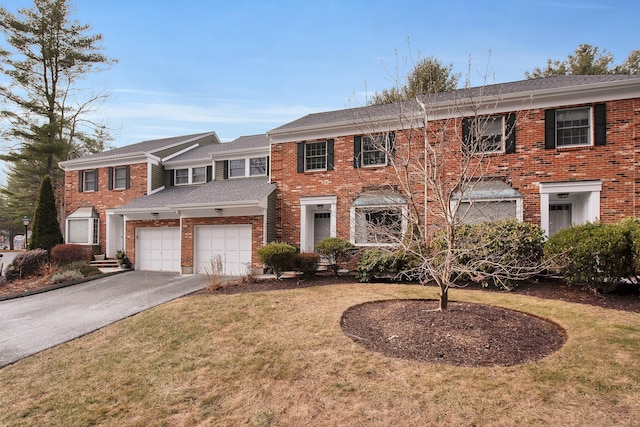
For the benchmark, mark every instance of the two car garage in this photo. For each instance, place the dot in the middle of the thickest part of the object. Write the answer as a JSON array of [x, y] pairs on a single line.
[[217, 249]]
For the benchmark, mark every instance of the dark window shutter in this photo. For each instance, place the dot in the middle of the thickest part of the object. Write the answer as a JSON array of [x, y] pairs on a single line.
[[95, 185], [330, 158], [80, 181], [466, 135], [209, 173], [357, 151], [268, 165], [128, 177], [225, 172], [392, 147], [550, 129], [300, 157], [510, 131], [600, 124], [110, 180], [172, 177]]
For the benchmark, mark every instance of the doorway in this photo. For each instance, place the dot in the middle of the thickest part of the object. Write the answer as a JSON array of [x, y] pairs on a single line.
[[559, 217], [321, 227]]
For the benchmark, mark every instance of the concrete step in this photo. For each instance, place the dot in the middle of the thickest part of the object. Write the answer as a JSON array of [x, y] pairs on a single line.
[[106, 263]]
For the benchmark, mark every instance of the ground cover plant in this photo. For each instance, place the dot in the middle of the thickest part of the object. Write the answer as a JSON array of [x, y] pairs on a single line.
[[281, 358]]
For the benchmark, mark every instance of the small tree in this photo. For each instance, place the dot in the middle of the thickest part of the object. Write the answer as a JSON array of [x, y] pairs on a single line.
[[335, 250], [45, 233], [277, 256]]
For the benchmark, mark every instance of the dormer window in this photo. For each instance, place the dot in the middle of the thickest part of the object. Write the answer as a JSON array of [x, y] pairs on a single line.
[[238, 168], [185, 176]]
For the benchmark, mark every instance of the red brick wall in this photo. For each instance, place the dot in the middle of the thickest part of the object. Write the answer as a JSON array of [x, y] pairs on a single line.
[[614, 164], [104, 198]]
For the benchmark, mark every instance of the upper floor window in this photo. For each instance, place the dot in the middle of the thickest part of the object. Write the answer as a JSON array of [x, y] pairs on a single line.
[[184, 176], [573, 127], [258, 166], [88, 180], [236, 168], [315, 156], [198, 175], [485, 135], [373, 150], [576, 127], [118, 178]]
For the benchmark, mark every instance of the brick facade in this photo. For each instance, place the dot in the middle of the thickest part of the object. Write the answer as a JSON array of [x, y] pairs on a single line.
[[615, 164]]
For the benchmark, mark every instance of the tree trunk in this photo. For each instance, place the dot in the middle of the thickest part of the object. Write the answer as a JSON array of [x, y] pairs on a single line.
[[444, 298]]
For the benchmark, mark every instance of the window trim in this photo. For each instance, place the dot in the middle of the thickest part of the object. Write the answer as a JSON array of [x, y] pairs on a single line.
[[483, 123], [190, 175], [93, 231], [114, 179], [244, 168], [85, 187], [307, 157], [302, 157], [401, 209], [597, 127], [589, 126]]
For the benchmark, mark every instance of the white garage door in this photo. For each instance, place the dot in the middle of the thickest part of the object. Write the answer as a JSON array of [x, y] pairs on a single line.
[[158, 249], [223, 247]]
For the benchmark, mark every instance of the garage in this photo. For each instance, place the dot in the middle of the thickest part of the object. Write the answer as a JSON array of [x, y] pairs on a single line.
[[223, 247], [158, 249]]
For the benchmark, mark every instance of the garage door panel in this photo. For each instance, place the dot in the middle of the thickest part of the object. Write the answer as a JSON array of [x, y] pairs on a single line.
[[158, 249], [230, 244]]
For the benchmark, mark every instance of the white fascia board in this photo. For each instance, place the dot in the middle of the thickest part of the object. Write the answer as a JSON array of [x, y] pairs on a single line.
[[190, 163], [235, 204], [118, 160], [241, 153], [158, 209], [456, 108], [177, 153]]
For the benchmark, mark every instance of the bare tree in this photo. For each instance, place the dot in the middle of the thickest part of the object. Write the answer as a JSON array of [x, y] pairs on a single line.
[[440, 147]]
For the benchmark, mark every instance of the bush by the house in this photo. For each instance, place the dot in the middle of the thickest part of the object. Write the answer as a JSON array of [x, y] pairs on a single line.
[[66, 276], [599, 256], [26, 264], [83, 267], [307, 263], [123, 260], [335, 250], [45, 230], [499, 253], [277, 256], [66, 253], [379, 263]]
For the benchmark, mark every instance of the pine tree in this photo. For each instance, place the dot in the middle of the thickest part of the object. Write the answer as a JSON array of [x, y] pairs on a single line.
[[45, 233]]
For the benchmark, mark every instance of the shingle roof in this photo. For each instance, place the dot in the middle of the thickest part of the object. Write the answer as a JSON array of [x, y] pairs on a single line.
[[152, 145], [522, 86], [206, 151], [216, 193]]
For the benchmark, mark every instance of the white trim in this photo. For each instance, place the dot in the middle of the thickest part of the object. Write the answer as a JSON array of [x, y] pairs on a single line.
[[591, 206], [404, 212], [177, 153], [307, 205]]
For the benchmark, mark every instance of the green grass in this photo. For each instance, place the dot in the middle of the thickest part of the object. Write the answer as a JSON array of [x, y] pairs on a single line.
[[280, 358]]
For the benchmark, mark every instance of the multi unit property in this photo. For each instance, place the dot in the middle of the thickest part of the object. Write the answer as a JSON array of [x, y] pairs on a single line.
[[553, 151]]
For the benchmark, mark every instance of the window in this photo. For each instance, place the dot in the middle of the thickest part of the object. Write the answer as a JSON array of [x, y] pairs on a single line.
[[258, 166], [487, 200], [377, 225], [119, 177], [89, 181], [236, 168], [315, 156], [182, 176], [572, 127], [83, 227], [576, 127], [198, 175], [487, 134]]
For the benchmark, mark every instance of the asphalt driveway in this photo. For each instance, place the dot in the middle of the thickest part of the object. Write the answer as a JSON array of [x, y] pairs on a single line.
[[31, 324]]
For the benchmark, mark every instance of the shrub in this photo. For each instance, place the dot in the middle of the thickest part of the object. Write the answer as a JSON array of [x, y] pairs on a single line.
[[379, 263], [277, 256], [83, 267], [45, 233], [335, 250], [26, 264], [307, 263], [66, 253], [599, 256], [66, 276], [499, 253]]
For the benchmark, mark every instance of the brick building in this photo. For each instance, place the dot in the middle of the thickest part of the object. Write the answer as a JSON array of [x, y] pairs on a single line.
[[553, 151]]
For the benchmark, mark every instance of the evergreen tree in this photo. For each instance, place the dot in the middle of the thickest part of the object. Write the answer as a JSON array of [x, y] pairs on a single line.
[[45, 232]]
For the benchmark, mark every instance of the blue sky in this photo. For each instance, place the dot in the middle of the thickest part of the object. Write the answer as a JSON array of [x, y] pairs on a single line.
[[243, 67]]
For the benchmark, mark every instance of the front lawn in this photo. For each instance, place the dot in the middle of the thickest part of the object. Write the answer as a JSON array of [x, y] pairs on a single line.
[[281, 358]]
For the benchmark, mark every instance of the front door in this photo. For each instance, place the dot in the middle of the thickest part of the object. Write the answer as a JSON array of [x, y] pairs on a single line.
[[559, 217], [321, 226]]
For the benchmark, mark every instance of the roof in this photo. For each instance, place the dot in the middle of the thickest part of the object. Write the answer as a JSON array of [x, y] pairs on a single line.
[[213, 193], [242, 143], [522, 88]]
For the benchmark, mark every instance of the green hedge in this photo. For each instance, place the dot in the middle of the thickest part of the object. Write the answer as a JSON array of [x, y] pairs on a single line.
[[599, 256], [277, 256]]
